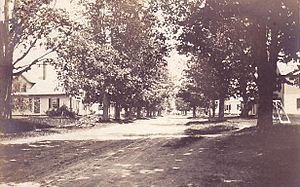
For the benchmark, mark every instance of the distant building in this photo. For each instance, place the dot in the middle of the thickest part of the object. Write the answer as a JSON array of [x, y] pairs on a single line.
[[290, 97], [289, 94], [232, 106]]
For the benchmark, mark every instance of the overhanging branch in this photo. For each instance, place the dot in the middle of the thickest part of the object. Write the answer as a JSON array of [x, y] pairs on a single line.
[[28, 67], [25, 53]]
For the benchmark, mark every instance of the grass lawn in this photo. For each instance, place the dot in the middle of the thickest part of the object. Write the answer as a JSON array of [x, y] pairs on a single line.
[[32, 126], [268, 159]]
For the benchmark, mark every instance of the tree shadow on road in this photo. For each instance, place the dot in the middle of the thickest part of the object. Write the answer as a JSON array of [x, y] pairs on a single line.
[[182, 142]]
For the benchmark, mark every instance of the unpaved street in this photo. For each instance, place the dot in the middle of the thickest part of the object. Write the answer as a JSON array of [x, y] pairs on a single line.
[[148, 153]]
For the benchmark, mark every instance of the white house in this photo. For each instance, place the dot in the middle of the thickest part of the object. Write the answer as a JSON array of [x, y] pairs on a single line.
[[289, 94], [290, 97], [35, 98], [232, 106]]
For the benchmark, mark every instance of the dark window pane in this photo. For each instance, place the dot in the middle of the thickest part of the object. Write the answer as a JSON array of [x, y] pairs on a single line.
[[37, 105], [298, 103]]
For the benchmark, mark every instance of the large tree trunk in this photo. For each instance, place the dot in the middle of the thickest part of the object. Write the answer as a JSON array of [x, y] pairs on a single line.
[[185, 112], [209, 114], [265, 90], [130, 113], [213, 109], [5, 90], [6, 67], [117, 111], [221, 108], [139, 112], [148, 112], [105, 107], [153, 113], [245, 108], [266, 83]]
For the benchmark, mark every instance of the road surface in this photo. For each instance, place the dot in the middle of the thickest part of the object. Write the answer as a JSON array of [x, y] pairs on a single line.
[[153, 152]]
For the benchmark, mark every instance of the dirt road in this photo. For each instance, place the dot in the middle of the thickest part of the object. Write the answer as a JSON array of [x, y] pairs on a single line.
[[151, 153]]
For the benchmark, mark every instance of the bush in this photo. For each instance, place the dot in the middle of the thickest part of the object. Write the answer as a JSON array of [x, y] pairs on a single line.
[[62, 111]]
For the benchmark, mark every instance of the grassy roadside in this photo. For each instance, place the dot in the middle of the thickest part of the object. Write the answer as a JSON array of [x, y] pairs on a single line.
[[268, 159], [250, 158], [33, 126]]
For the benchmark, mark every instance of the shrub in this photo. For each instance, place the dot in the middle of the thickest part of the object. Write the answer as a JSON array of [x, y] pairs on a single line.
[[61, 111]]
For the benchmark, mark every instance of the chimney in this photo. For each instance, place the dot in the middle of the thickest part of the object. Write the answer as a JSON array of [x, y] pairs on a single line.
[[44, 70]]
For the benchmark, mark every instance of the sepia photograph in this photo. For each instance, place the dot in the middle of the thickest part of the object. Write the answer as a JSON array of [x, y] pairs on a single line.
[[149, 93]]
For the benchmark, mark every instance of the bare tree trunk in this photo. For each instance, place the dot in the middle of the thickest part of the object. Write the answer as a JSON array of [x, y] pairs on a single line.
[[130, 115], [126, 112], [5, 91], [221, 108], [194, 111], [153, 113], [148, 112], [6, 67], [213, 109], [209, 114], [265, 109], [138, 112], [117, 111], [105, 107], [245, 108], [266, 83]]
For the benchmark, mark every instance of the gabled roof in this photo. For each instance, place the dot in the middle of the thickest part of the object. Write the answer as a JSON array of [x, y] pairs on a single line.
[[26, 79], [45, 87], [287, 68]]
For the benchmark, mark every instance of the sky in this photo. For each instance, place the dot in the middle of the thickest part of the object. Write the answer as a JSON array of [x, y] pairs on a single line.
[[176, 65], [176, 62]]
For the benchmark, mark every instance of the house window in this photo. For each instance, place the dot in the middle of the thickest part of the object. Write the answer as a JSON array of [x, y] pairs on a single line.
[[298, 103], [100, 106], [24, 88], [37, 105], [227, 107], [16, 87], [238, 107], [54, 102]]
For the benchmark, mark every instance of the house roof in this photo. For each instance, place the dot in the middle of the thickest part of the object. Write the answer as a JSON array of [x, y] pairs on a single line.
[[287, 68], [46, 87], [27, 79]]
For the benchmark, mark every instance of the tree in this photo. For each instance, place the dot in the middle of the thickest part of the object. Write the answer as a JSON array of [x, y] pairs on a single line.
[[118, 56], [192, 89], [271, 34], [275, 26], [181, 105], [209, 40], [25, 25]]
